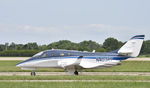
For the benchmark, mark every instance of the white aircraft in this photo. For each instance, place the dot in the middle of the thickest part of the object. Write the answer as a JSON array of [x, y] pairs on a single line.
[[73, 61]]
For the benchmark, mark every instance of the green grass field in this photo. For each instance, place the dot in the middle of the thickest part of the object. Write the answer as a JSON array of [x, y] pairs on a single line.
[[144, 56], [74, 84], [126, 66], [86, 77], [77, 84]]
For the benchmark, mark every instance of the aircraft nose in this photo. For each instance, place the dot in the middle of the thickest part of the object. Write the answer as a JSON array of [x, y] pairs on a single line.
[[25, 63], [19, 65]]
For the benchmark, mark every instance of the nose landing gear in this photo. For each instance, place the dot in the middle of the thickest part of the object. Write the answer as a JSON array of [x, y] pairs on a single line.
[[33, 73]]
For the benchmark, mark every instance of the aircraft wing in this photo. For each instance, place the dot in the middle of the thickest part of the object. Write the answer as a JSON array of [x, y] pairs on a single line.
[[89, 64], [70, 62], [80, 62]]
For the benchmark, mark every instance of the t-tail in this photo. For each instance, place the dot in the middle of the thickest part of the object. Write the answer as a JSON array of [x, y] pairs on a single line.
[[132, 47]]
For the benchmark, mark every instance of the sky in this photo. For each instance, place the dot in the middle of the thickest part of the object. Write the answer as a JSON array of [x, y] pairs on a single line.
[[47, 21]]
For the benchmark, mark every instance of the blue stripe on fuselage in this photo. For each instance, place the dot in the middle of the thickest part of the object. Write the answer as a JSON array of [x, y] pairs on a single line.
[[85, 57]]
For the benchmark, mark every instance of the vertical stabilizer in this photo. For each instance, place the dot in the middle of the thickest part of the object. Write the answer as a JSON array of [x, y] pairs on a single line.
[[132, 47]]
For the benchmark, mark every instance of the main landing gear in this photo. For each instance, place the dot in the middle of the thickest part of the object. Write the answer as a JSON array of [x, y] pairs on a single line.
[[33, 73], [76, 73]]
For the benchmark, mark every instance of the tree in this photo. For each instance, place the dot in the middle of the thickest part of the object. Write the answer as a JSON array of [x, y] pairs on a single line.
[[88, 46], [146, 47], [19, 46], [112, 44], [31, 46], [6, 46], [12, 46], [2, 47], [100, 49], [63, 44], [42, 47]]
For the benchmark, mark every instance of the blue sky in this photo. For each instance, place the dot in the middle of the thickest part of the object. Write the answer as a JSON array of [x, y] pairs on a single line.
[[46, 21]]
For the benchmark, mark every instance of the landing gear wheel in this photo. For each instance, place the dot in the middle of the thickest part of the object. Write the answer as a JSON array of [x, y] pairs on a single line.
[[76, 73], [33, 73]]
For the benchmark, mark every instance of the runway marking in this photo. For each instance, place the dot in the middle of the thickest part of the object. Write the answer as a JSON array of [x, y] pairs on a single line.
[[74, 80]]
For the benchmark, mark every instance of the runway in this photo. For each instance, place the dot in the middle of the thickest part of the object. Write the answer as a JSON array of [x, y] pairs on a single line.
[[14, 58], [81, 73]]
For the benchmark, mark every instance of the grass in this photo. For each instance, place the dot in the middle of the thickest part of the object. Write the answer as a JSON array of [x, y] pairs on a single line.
[[74, 84], [126, 66], [77, 84], [144, 56], [74, 77]]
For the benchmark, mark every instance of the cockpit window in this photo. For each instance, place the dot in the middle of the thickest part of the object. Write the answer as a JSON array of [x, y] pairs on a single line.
[[38, 54], [44, 55], [69, 54]]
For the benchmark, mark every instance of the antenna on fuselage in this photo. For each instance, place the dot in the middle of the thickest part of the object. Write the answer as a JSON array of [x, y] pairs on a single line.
[[52, 48], [93, 51]]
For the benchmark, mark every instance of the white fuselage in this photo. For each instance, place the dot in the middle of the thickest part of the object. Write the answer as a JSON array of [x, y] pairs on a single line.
[[59, 62]]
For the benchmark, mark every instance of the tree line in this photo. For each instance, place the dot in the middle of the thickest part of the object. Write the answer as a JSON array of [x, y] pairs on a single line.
[[30, 49]]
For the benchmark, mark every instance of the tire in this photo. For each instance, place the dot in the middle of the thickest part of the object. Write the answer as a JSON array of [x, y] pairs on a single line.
[[33, 73], [76, 73]]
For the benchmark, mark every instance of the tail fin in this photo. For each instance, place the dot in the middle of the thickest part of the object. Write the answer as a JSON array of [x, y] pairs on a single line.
[[132, 47]]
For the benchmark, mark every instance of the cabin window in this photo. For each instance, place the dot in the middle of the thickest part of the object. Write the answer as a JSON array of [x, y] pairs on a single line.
[[44, 55], [61, 54], [69, 54], [52, 54]]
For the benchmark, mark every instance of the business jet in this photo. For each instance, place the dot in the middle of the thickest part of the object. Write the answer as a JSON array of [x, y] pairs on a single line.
[[74, 61]]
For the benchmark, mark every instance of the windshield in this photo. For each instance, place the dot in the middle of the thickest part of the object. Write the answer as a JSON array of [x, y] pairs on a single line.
[[38, 54]]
